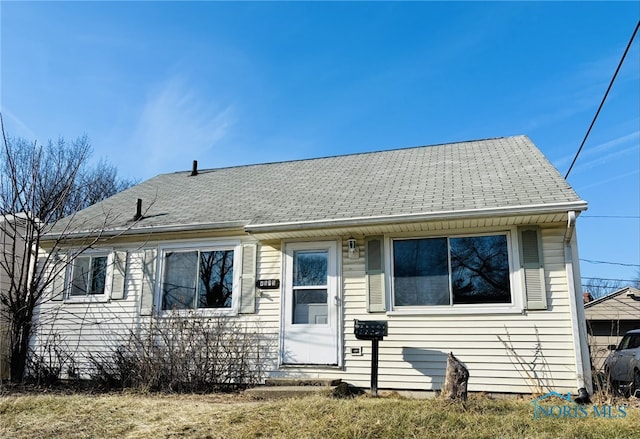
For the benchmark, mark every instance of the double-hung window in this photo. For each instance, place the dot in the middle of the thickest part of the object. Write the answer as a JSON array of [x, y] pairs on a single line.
[[196, 278], [451, 271], [89, 275]]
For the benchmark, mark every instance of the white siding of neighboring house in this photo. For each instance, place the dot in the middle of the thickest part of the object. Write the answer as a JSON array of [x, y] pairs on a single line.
[[4, 324], [608, 319], [6, 247], [412, 356]]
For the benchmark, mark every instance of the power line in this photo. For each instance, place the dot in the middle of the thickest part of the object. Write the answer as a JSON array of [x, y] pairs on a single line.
[[610, 263], [609, 279], [603, 99], [603, 287], [611, 216]]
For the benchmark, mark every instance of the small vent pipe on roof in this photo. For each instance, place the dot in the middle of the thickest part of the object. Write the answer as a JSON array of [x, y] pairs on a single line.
[[194, 168], [138, 214]]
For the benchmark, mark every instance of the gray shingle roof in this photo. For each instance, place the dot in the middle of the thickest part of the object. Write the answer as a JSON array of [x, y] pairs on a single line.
[[499, 173]]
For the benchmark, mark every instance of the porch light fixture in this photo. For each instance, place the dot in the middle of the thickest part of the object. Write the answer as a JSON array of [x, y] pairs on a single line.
[[354, 252]]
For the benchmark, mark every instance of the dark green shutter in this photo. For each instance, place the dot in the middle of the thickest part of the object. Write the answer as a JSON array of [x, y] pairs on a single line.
[[148, 282], [374, 261], [118, 275], [248, 279], [59, 273], [533, 268]]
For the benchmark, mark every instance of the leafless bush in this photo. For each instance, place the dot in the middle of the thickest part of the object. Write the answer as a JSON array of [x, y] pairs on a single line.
[[536, 370], [50, 363], [185, 354]]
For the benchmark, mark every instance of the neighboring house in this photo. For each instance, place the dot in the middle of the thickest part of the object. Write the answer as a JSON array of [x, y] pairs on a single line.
[[608, 319], [5, 246], [11, 251], [466, 247]]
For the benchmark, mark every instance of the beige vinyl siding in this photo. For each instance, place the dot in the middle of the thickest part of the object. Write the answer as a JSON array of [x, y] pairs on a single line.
[[92, 326], [267, 316], [412, 356], [354, 283], [269, 267], [99, 326]]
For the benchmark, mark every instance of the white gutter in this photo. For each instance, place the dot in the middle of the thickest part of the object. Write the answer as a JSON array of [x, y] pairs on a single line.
[[324, 223], [174, 228], [576, 308], [413, 217]]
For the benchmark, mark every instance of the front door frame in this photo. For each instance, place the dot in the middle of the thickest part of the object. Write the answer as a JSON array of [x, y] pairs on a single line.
[[334, 302]]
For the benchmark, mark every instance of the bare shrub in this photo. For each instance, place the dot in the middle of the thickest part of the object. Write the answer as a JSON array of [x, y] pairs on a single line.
[[536, 370], [50, 363], [185, 354], [41, 188]]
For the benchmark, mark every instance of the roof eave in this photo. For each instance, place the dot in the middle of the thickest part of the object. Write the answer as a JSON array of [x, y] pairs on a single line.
[[609, 296], [577, 206]]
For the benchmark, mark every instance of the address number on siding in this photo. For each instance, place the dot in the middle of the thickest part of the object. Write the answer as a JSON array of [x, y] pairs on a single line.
[[268, 284]]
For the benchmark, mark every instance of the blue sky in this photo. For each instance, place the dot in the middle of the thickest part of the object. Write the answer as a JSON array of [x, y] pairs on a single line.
[[155, 85]]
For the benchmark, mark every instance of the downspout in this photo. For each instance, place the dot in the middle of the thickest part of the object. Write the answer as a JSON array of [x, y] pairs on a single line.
[[576, 308]]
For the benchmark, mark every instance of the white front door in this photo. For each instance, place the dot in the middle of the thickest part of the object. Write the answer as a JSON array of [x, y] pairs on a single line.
[[310, 304]]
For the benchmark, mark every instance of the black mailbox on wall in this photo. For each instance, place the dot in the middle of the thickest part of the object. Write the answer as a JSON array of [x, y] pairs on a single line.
[[370, 329]]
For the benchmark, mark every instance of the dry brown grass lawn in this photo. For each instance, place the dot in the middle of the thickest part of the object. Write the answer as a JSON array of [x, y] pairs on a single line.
[[223, 416]]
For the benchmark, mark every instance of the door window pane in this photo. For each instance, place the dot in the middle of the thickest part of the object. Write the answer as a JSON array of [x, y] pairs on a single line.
[[420, 272], [310, 268], [310, 307]]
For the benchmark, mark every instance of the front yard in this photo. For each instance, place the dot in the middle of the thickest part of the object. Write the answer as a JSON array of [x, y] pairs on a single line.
[[131, 415]]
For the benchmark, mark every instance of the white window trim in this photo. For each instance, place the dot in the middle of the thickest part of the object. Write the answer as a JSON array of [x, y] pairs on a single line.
[[108, 283], [234, 245], [515, 277]]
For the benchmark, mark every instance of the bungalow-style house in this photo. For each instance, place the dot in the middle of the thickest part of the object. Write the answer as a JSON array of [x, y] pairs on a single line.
[[608, 319], [466, 247]]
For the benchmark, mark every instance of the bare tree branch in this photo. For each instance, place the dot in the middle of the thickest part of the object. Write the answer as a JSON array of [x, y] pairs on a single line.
[[41, 188]]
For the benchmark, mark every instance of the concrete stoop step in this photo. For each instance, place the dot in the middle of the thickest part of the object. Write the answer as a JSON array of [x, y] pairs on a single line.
[[278, 388]]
